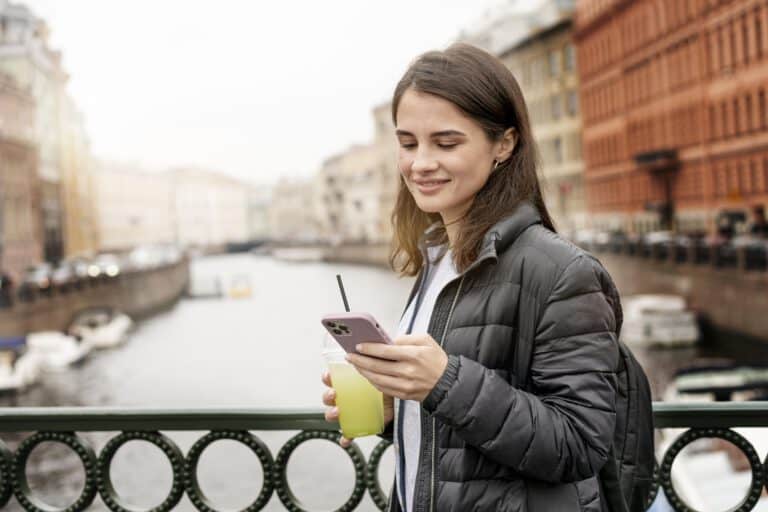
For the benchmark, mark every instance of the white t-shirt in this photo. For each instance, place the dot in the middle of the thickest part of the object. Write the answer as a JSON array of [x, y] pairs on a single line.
[[410, 446]]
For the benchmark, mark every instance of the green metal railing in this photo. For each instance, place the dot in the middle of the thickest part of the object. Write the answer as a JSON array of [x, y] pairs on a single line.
[[63, 425]]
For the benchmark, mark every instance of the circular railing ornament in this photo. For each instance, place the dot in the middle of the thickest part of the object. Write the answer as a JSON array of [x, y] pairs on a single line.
[[257, 446], [372, 474], [655, 485], [167, 446], [758, 471], [6, 474], [78, 445], [284, 492]]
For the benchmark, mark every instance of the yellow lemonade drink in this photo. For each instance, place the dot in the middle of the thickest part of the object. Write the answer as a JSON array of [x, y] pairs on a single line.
[[361, 406]]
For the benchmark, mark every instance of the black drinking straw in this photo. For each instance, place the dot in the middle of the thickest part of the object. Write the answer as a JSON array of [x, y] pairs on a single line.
[[343, 295]]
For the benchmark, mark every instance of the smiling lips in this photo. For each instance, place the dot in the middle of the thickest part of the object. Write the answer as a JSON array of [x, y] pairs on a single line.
[[428, 187]]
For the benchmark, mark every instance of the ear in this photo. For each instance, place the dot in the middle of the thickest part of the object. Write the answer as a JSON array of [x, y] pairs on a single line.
[[506, 144]]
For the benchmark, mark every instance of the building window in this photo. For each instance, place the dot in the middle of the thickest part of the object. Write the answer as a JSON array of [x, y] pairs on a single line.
[[556, 106], [557, 146], [573, 103], [569, 55], [554, 63]]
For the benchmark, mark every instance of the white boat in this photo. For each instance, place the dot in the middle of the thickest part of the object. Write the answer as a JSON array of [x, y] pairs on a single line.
[[658, 320], [101, 327], [19, 369], [57, 351]]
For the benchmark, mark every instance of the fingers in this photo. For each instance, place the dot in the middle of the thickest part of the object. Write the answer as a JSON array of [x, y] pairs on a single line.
[[376, 365], [344, 442], [392, 386], [413, 339], [329, 397], [382, 351], [326, 378], [332, 414]]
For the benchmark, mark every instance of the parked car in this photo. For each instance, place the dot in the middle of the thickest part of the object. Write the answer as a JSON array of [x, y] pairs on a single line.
[[79, 266], [617, 242], [63, 277], [585, 238], [633, 244], [36, 280], [753, 251], [658, 244], [722, 252], [105, 266]]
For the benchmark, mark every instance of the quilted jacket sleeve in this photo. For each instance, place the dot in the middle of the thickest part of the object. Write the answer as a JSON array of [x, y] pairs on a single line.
[[562, 429]]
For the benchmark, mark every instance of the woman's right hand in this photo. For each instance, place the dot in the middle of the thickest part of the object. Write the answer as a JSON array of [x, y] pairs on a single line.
[[332, 413]]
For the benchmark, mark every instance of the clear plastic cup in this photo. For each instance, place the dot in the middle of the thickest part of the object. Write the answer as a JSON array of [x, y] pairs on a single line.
[[361, 406]]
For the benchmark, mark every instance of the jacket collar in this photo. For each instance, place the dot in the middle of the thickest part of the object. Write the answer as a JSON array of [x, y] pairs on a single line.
[[497, 239], [506, 231]]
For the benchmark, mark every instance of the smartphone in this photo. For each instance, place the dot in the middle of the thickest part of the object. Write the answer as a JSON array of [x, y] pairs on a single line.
[[349, 329]]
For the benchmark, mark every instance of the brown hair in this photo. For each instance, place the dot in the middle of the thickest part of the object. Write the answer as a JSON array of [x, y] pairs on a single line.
[[484, 89]]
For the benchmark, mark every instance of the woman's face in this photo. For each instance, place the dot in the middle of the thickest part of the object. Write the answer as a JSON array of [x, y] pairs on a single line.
[[445, 157]]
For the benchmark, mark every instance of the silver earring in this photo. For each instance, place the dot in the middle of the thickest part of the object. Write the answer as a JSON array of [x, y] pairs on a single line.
[[495, 164]]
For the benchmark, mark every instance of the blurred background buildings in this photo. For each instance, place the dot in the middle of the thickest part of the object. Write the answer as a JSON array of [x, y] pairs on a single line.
[[650, 115]]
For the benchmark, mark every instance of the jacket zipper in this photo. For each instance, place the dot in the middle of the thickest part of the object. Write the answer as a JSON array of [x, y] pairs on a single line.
[[434, 422], [487, 255]]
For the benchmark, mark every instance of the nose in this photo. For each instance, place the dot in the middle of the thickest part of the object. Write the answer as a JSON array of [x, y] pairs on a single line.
[[423, 162]]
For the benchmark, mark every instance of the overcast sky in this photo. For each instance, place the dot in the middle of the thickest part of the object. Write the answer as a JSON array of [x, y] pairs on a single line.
[[256, 89]]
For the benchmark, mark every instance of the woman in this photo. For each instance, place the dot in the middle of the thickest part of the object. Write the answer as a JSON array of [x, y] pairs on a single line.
[[471, 221]]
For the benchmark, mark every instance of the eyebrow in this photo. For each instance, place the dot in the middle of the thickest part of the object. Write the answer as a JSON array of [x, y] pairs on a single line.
[[442, 133]]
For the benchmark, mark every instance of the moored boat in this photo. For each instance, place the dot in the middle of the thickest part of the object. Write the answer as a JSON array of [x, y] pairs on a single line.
[[658, 321], [19, 368], [102, 327], [56, 350]]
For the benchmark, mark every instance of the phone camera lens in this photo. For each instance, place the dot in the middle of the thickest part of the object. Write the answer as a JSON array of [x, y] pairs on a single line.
[[330, 324], [337, 332]]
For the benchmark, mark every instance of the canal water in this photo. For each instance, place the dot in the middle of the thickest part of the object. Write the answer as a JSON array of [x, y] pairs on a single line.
[[261, 351]]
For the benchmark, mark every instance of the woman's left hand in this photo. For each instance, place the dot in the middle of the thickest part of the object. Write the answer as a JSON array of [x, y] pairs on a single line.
[[407, 369]]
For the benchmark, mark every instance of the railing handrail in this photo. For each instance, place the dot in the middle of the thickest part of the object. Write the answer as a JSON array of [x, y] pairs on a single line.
[[710, 414], [89, 419]]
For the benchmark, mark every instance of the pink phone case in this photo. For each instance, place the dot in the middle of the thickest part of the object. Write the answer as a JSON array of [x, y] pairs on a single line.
[[349, 329]]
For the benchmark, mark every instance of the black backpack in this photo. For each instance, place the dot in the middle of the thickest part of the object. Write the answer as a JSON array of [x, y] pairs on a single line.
[[627, 477]]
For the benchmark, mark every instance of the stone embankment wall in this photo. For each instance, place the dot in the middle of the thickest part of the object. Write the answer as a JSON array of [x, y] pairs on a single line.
[[137, 294], [367, 254], [732, 299]]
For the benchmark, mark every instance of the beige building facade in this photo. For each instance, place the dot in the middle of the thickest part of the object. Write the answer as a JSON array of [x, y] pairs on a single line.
[[26, 55], [388, 175], [294, 214], [544, 64], [259, 199], [210, 209], [20, 221], [352, 197], [133, 206], [78, 187]]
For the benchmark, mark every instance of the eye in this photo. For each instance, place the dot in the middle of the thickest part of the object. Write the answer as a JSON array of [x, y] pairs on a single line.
[[447, 145], [407, 145]]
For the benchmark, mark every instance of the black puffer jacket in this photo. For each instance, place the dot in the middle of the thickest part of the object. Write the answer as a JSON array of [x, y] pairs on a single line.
[[488, 442]]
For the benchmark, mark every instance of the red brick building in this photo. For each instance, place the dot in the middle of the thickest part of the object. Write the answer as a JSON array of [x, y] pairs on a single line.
[[674, 108], [20, 217]]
